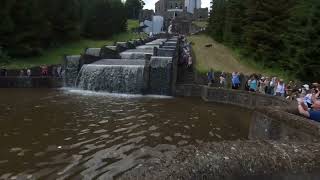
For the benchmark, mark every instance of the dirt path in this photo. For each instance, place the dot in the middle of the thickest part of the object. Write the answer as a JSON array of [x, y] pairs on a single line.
[[217, 57]]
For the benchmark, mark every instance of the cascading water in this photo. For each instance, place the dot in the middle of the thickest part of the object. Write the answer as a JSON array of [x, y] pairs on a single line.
[[71, 70], [115, 76]]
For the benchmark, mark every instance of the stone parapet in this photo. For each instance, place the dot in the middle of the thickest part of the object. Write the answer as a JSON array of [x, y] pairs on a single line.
[[30, 82]]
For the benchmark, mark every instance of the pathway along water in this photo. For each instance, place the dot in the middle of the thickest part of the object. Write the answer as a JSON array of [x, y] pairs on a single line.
[[50, 134]]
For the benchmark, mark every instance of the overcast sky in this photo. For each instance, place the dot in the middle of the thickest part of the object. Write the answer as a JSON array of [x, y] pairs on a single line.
[[150, 3]]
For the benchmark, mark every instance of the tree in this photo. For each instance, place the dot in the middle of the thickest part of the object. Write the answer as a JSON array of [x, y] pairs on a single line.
[[24, 37], [280, 34], [134, 8], [29, 26], [98, 22], [64, 19], [235, 22]]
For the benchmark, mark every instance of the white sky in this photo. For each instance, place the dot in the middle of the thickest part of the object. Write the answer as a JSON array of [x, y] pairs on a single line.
[[150, 4]]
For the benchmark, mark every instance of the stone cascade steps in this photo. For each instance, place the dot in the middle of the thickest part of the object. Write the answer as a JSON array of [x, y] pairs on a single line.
[[159, 54], [74, 63]]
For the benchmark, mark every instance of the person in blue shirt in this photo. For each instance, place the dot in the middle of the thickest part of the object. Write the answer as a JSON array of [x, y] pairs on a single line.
[[253, 84], [235, 80], [313, 114]]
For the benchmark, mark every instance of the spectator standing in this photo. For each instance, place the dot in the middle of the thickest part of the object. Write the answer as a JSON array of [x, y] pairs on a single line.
[[247, 85], [54, 71], [262, 85], [289, 89], [210, 76], [189, 63], [235, 80], [44, 70], [28, 72], [21, 73], [222, 79], [267, 85], [273, 83], [59, 70], [253, 84], [280, 88], [304, 90]]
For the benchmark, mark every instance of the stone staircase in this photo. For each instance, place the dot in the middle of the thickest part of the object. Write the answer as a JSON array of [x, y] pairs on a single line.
[[185, 76]]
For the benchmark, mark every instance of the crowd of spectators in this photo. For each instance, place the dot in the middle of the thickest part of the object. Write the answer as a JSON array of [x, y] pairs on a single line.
[[309, 101], [186, 55], [42, 71], [307, 95]]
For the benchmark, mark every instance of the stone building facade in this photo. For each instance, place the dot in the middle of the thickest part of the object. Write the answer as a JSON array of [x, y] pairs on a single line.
[[146, 14], [179, 13], [200, 14], [162, 6], [173, 8]]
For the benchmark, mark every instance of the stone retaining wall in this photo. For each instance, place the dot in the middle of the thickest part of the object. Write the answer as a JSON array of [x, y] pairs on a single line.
[[30, 82], [229, 96], [270, 123], [274, 118]]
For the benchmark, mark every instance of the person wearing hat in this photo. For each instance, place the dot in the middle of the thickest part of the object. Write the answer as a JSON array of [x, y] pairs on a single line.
[[313, 113]]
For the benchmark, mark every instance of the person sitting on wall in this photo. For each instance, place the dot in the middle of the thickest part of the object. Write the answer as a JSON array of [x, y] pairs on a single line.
[[313, 114]]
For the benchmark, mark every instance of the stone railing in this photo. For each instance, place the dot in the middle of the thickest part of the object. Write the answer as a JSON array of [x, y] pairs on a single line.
[[30, 82], [274, 118]]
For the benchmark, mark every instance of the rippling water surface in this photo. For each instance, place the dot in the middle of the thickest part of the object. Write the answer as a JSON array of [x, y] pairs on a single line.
[[63, 134]]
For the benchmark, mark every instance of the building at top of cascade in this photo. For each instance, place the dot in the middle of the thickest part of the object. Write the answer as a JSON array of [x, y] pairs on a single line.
[[190, 9], [179, 13]]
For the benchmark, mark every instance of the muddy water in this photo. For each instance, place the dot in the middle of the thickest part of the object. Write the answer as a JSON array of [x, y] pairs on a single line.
[[52, 134]]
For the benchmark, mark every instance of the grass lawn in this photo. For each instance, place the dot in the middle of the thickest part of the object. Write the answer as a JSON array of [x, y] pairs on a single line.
[[54, 56], [221, 58], [218, 57], [201, 24]]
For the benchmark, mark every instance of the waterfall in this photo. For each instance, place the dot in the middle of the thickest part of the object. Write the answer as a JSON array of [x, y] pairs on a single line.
[[114, 76], [71, 70]]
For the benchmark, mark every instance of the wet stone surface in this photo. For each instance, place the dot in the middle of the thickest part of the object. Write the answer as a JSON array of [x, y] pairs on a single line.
[[234, 160]]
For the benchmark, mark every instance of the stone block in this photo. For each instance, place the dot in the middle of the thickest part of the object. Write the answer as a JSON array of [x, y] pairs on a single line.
[[160, 75], [109, 52], [165, 52], [93, 52]]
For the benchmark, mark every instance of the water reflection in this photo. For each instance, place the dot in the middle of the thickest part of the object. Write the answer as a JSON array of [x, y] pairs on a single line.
[[57, 134]]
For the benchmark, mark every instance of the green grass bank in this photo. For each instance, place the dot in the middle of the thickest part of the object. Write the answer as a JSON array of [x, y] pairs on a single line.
[[222, 58], [54, 55]]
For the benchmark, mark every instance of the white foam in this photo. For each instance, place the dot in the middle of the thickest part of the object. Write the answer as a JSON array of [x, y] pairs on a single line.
[[114, 95]]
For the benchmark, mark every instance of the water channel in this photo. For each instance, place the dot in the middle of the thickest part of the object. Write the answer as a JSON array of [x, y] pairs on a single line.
[[74, 134]]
